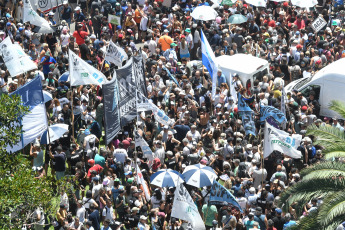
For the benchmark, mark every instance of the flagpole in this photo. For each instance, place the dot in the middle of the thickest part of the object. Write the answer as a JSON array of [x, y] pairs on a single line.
[[72, 114]]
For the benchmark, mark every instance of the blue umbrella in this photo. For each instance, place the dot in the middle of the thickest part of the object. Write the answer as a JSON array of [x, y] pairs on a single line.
[[166, 178], [237, 19], [64, 76], [199, 175], [55, 132]]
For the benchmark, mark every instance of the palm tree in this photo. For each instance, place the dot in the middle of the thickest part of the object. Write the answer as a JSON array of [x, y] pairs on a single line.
[[325, 180]]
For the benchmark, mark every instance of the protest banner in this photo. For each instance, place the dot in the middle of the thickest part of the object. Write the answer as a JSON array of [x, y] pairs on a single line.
[[219, 194], [248, 122], [139, 73], [270, 111], [115, 54]]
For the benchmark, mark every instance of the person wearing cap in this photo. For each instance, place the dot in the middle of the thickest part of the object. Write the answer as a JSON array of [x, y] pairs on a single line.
[[170, 52], [142, 225], [79, 34], [60, 161], [120, 203], [260, 218], [66, 13], [184, 47], [90, 141], [165, 41]]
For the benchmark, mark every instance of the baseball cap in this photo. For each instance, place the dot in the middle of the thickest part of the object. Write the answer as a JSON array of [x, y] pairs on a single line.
[[187, 30], [87, 132], [91, 162]]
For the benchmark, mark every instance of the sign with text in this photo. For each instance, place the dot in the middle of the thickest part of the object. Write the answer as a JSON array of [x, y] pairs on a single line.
[[114, 19], [318, 24]]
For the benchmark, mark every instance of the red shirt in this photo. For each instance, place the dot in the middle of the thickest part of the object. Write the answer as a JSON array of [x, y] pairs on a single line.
[[97, 168], [300, 25], [80, 36]]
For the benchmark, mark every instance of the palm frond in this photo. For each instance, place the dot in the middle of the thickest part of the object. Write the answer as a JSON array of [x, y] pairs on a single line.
[[324, 170], [305, 190], [333, 148], [334, 154], [338, 107], [333, 206], [326, 136]]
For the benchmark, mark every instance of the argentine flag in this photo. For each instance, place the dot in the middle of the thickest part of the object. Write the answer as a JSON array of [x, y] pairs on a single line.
[[209, 61]]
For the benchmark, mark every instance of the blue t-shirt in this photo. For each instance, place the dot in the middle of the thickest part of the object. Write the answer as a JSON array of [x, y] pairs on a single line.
[[289, 224], [181, 131]]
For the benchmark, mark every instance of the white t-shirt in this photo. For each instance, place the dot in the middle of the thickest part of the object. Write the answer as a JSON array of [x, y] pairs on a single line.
[[87, 202], [108, 213], [64, 39], [89, 138], [95, 191], [81, 214]]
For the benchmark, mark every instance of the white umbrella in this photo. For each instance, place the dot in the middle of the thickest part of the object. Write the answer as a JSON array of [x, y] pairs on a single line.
[[204, 13], [199, 175], [258, 3], [304, 3], [279, 0]]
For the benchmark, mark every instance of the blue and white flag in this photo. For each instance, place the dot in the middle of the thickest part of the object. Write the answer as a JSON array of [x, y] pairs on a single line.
[[140, 141], [35, 122], [248, 122], [209, 61], [184, 208], [160, 116], [170, 75], [81, 73], [270, 111], [219, 194], [242, 104]]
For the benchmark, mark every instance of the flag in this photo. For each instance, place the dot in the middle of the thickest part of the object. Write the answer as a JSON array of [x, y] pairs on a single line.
[[81, 73], [111, 109], [143, 104], [281, 141], [127, 99], [219, 194], [270, 111], [160, 116], [283, 105], [139, 73], [141, 181], [184, 208], [35, 122], [242, 104], [30, 15], [115, 54], [16, 60], [248, 122], [170, 75], [140, 141], [209, 61]]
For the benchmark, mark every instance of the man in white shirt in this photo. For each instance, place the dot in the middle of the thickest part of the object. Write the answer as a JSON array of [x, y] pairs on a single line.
[[160, 152], [195, 133], [96, 189], [81, 211], [120, 154], [89, 140], [108, 213]]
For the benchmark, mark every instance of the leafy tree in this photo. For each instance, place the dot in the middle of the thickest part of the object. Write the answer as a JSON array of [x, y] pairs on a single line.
[[325, 180], [20, 194]]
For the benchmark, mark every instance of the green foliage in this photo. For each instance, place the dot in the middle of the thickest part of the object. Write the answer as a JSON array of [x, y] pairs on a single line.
[[325, 180], [20, 192]]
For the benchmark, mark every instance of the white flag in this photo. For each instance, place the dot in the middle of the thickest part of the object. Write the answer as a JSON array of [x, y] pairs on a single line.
[[115, 54], [140, 180], [81, 73], [281, 141], [161, 117], [30, 15], [184, 208], [140, 141], [232, 88], [16, 61], [143, 104]]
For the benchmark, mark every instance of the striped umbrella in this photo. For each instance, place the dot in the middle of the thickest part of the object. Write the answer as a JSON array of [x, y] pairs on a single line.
[[166, 178], [199, 175]]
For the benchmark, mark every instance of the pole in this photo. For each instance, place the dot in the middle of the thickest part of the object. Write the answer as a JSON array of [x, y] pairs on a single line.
[[72, 113]]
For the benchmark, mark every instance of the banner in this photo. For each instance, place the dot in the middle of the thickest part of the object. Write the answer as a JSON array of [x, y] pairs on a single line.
[[30, 15], [35, 122], [242, 105], [281, 141], [81, 73], [115, 54], [143, 103], [127, 99], [139, 73], [140, 142], [318, 24], [45, 5], [115, 20], [141, 181], [248, 122], [161, 117], [184, 208], [219, 194], [283, 102], [232, 88], [270, 111], [16, 61], [111, 109], [209, 61]]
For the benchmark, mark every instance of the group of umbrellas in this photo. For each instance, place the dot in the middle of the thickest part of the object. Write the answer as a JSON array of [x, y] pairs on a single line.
[[197, 175], [207, 13]]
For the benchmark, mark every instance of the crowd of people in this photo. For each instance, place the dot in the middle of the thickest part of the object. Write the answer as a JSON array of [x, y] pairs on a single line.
[[207, 130]]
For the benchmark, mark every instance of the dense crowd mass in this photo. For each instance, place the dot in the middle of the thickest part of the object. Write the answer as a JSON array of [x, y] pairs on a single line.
[[206, 130]]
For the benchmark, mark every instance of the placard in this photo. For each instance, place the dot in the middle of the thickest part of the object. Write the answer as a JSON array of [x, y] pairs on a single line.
[[318, 24]]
